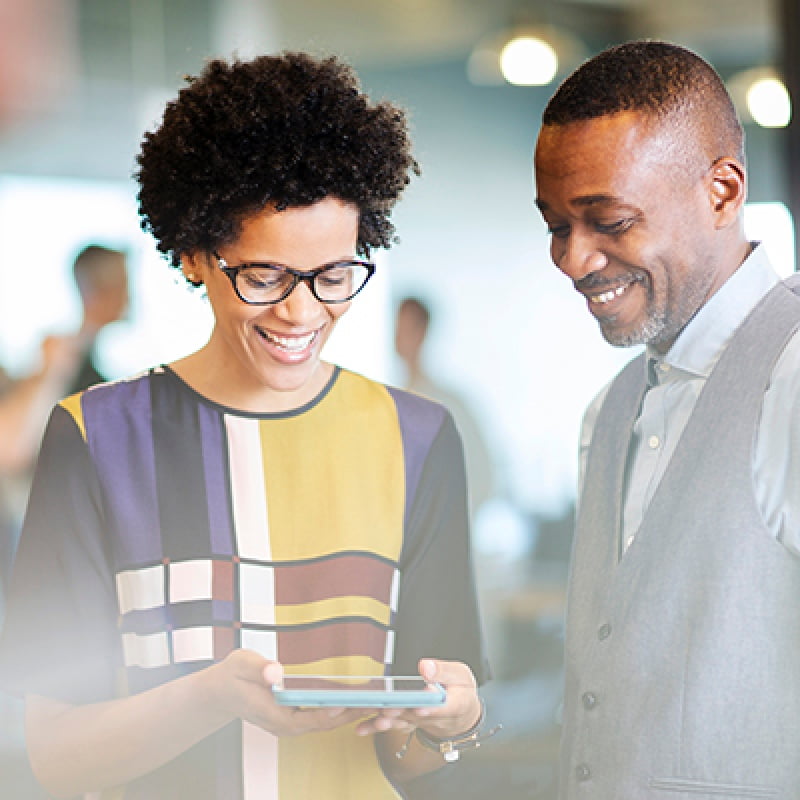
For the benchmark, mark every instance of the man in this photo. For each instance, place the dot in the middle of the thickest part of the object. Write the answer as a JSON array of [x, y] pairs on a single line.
[[101, 275], [25, 405], [66, 366], [411, 329], [683, 637]]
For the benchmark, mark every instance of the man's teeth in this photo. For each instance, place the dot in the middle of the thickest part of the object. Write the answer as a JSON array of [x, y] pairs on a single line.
[[607, 297], [293, 344]]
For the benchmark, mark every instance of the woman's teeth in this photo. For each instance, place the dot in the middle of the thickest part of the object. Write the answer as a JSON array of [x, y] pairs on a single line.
[[292, 344]]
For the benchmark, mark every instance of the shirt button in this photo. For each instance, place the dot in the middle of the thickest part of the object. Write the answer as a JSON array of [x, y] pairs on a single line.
[[604, 631], [663, 368], [589, 700], [653, 442], [582, 772]]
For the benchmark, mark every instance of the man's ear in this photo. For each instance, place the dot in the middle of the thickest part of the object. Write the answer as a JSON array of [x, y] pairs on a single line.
[[191, 268], [727, 190]]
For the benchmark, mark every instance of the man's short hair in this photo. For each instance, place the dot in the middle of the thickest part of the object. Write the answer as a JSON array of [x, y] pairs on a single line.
[[657, 78]]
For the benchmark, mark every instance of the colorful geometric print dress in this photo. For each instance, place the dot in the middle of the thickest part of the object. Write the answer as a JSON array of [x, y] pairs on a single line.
[[165, 530]]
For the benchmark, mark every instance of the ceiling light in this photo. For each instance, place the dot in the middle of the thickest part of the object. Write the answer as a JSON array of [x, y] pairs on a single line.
[[527, 55], [528, 61], [768, 101], [761, 96]]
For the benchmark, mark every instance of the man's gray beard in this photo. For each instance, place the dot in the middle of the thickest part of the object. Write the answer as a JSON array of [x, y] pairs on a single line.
[[662, 325], [651, 331]]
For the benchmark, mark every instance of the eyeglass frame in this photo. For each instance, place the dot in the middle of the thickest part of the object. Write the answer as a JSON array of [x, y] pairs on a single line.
[[306, 276]]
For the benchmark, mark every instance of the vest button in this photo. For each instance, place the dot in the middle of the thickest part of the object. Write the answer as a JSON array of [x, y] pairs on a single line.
[[589, 700], [582, 772], [604, 631]]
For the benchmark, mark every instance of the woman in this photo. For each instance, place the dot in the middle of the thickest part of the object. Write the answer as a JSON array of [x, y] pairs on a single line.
[[196, 530]]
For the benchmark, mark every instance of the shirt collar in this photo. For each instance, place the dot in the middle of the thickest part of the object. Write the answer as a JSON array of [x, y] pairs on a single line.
[[700, 344]]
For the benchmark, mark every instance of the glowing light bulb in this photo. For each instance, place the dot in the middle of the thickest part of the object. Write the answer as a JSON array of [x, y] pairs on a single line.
[[528, 61], [768, 102]]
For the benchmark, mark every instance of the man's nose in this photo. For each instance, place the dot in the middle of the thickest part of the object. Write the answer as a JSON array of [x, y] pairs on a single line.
[[578, 256]]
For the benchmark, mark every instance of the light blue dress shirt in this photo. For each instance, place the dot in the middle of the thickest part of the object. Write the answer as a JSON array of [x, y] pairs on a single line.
[[676, 380]]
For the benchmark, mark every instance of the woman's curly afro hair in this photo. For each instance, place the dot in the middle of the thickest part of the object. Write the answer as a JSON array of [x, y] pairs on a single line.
[[286, 130]]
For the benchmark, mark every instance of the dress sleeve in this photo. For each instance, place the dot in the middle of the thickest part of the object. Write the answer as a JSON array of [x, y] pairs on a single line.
[[60, 636], [437, 613]]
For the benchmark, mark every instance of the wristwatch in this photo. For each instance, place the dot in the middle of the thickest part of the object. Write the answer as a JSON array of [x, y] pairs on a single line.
[[450, 748]]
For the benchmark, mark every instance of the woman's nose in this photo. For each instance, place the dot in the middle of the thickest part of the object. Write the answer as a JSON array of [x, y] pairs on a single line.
[[300, 305]]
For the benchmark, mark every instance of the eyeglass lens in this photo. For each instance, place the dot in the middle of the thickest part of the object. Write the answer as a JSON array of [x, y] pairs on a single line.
[[264, 284]]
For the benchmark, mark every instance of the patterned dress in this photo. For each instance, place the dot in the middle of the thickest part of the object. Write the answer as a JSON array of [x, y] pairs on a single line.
[[164, 530]]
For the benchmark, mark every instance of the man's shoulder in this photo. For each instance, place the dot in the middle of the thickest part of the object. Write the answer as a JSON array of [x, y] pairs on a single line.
[[793, 282]]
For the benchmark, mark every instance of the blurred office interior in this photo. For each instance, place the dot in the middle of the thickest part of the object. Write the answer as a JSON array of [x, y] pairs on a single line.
[[81, 80]]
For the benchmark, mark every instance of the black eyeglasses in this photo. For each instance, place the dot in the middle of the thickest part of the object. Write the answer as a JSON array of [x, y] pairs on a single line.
[[265, 284]]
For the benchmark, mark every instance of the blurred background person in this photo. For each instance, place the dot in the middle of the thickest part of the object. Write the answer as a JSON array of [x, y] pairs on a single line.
[[412, 322], [101, 277], [25, 404], [66, 365]]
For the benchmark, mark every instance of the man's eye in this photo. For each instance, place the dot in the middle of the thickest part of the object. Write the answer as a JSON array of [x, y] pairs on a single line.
[[558, 231], [618, 226]]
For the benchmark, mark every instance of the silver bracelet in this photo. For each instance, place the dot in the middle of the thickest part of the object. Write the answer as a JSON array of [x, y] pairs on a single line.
[[450, 748]]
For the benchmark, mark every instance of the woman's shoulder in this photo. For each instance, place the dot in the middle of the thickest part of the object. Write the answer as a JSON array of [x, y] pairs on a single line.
[[123, 395], [407, 402]]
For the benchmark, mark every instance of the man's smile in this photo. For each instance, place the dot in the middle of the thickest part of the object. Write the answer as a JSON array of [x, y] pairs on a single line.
[[600, 292]]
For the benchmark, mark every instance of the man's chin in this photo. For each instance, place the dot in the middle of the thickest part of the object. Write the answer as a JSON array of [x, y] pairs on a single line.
[[651, 331], [622, 338]]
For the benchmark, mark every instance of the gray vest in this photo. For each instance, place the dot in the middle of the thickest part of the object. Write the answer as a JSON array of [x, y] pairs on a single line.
[[683, 657]]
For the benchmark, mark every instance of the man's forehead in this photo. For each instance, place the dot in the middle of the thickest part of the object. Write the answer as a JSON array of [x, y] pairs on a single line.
[[605, 149], [614, 130], [588, 201], [662, 138]]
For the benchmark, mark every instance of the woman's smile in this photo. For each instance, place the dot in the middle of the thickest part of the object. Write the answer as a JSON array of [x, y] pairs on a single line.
[[291, 348]]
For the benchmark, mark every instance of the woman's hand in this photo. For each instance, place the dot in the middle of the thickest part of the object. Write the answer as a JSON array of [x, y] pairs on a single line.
[[80, 749], [460, 711], [241, 686]]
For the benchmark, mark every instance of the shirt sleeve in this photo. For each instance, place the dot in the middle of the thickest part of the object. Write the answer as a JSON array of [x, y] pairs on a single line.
[[438, 613], [60, 637]]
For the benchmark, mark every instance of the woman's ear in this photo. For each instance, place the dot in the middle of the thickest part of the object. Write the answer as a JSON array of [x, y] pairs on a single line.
[[191, 268], [728, 189]]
